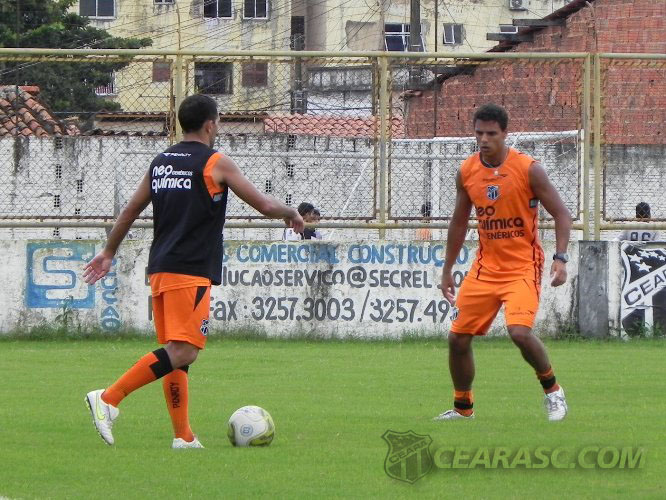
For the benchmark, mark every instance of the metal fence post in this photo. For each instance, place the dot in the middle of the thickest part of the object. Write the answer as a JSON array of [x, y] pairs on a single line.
[[179, 93], [383, 140], [586, 146], [598, 182]]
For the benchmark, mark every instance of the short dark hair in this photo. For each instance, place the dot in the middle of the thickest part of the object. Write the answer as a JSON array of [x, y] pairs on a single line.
[[305, 208], [426, 209], [492, 113], [643, 210], [315, 211], [196, 110]]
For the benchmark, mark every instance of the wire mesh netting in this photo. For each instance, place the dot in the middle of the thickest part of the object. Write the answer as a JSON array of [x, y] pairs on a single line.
[[300, 128], [633, 99], [438, 98]]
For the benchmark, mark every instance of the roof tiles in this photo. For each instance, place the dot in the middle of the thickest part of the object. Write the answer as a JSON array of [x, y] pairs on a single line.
[[335, 126], [26, 116]]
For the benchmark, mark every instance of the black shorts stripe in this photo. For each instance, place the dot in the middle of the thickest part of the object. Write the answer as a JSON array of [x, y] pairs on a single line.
[[201, 291]]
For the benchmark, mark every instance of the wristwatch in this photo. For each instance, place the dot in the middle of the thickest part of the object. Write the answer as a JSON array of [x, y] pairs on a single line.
[[564, 257]]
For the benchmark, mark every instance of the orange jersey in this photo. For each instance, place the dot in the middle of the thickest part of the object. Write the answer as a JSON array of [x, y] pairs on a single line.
[[507, 214]]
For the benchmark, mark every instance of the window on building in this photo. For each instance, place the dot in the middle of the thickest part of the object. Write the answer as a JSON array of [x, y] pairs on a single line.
[[288, 199], [255, 9], [161, 71], [56, 201], [255, 75], [396, 37], [453, 34], [268, 188], [164, 1], [97, 8], [297, 41], [58, 172], [79, 185], [508, 28], [217, 8], [291, 168], [213, 78]]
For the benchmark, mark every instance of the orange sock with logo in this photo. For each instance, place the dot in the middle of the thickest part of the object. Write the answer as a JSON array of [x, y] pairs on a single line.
[[463, 402], [175, 393], [548, 381], [149, 368]]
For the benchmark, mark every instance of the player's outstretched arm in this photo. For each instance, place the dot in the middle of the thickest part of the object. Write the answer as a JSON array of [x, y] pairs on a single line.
[[544, 190], [101, 263], [455, 237], [227, 172]]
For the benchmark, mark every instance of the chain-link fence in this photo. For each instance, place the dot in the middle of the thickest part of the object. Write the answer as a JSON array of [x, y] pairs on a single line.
[[633, 141], [373, 140]]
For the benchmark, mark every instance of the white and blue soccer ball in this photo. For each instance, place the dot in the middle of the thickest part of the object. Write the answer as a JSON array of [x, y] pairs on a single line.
[[251, 426]]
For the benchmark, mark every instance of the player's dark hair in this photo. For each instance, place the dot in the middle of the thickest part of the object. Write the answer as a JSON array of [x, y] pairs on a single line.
[[643, 210], [305, 208], [426, 209], [196, 110], [492, 113], [315, 211]]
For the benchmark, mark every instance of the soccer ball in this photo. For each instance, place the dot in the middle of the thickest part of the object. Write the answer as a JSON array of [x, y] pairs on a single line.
[[251, 426]]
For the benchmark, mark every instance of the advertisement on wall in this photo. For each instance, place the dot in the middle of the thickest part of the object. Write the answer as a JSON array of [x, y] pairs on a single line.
[[357, 288], [643, 299]]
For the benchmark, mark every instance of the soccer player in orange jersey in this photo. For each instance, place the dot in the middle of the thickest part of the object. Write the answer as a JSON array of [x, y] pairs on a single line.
[[505, 187], [188, 185]]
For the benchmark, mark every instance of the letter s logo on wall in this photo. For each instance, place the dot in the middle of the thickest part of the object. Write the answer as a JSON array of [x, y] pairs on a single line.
[[54, 275]]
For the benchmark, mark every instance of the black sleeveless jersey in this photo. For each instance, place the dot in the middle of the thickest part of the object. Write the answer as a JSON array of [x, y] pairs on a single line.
[[188, 212]]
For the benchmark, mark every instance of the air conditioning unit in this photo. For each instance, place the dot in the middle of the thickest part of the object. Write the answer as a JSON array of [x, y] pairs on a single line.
[[518, 4]]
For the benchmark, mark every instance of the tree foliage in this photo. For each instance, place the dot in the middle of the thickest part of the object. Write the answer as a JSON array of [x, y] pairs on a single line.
[[65, 87]]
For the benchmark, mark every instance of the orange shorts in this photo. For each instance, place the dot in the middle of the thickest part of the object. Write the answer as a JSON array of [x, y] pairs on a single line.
[[478, 303], [181, 308]]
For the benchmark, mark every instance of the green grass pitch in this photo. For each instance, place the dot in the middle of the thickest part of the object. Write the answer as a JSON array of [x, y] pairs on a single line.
[[331, 402]]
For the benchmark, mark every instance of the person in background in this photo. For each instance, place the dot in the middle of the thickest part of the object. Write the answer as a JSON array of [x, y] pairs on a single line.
[[305, 209], [312, 233], [642, 214], [424, 233]]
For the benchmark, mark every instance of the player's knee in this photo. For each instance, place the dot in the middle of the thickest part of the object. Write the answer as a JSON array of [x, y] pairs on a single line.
[[459, 344], [520, 336], [182, 353]]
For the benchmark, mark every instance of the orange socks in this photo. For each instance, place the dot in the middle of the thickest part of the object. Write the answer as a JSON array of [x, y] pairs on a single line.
[[152, 366], [548, 381], [175, 393], [463, 402]]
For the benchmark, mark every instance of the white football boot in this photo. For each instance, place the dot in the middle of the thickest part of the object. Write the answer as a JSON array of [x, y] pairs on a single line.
[[452, 415], [180, 443], [556, 405], [103, 414]]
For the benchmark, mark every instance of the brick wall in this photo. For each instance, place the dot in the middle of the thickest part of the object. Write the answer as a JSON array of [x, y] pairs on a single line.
[[547, 96]]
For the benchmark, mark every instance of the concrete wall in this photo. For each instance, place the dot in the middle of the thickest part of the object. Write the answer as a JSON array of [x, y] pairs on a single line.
[[97, 175], [359, 288]]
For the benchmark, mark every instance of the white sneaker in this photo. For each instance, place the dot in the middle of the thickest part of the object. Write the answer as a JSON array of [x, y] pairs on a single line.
[[556, 405], [180, 443], [103, 414], [452, 415]]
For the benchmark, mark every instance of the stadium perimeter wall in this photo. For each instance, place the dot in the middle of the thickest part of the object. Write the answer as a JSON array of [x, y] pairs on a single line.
[[364, 289]]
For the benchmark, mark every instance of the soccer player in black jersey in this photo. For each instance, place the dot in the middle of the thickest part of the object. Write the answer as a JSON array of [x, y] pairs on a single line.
[[188, 185]]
